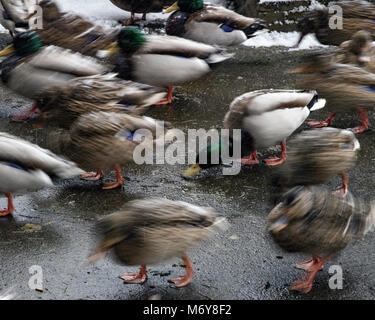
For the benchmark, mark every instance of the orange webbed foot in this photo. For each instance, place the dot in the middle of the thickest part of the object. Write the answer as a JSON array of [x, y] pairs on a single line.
[[92, 176], [137, 278], [186, 279]]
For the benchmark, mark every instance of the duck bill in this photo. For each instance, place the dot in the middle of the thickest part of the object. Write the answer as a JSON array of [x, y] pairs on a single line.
[[7, 51], [173, 7], [192, 171], [113, 49]]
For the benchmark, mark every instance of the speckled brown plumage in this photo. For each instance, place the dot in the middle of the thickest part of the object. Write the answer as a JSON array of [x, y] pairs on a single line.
[[357, 15], [150, 231], [97, 93], [313, 220], [72, 32], [315, 156]]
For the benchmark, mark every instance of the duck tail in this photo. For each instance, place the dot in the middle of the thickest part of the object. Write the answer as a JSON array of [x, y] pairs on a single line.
[[255, 29], [316, 103]]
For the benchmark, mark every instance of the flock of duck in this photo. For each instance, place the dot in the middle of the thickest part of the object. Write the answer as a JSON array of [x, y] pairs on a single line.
[[96, 86]]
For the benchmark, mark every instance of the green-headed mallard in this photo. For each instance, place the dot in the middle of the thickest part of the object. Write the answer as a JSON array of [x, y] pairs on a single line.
[[161, 61], [141, 6], [266, 118], [357, 15], [153, 231], [210, 24], [315, 156], [59, 78], [312, 220], [107, 140], [346, 88], [358, 51], [26, 167], [14, 14]]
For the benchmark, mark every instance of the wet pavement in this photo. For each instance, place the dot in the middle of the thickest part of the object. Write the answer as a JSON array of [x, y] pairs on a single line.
[[240, 263]]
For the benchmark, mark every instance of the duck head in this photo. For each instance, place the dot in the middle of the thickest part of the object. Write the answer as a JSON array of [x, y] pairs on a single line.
[[360, 45], [186, 6], [129, 40], [205, 159], [24, 44]]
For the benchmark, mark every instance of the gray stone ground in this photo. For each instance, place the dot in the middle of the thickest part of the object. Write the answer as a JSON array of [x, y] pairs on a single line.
[[241, 263]]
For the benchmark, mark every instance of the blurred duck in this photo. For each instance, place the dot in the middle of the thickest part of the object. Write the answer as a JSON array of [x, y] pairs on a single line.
[[357, 15], [61, 81], [266, 118], [346, 88], [312, 220], [210, 24], [160, 60], [141, 6], [26, 167], [155, 230], [358, 51], [15, 14], [315, 156], [107, 140], [69, 31]]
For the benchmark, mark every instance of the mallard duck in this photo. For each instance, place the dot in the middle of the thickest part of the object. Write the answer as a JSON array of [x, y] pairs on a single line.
[[15, 14], [266, 118], [107, 140], [153, 231], [358, 51], [141, 6], [26, 167], [346, 88], [312, 220], [161, 61], [210, 24], [62, 82], [70, 31], [357, 15], [315, 156]]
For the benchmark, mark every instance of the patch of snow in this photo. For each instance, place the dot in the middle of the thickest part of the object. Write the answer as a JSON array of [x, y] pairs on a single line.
[[284, 39], [3, 30]]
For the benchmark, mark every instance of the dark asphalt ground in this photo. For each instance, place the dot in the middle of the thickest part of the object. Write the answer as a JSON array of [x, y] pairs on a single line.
[[240, 263]]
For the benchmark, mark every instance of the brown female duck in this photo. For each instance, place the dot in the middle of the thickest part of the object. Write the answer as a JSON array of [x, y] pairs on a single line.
[[155, 230], [312, 220]]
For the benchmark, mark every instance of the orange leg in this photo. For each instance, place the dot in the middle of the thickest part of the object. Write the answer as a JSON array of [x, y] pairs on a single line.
[[10, 208], [344, 187], [92, 176], [278, 161], [144, 17], [184, 280], [320, 124], [138, 278], [364, 122], [315, 265], [28, 114], [309, 264], [251, 159], [119, 180], [132, 19], [169, 98]]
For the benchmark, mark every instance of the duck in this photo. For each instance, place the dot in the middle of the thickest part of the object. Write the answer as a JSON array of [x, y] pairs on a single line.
[[345, 87], [357, 15], [214, 25], [316, 156], [107, 140], [265, 117], [141, 6], [71, 31], [61, 81], [15, 14], [151, 231], [358, 51], [24, 166], [313, 220], [162, 61]]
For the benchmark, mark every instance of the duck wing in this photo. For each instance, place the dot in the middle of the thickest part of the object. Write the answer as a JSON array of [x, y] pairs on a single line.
[[30, 156]]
